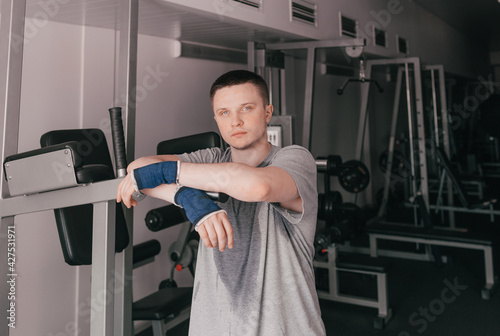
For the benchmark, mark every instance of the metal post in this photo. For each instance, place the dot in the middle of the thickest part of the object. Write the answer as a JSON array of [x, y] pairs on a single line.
[[410, 129], [423, 187], [434, 108], [308, 98], [392, 141], [363, 115], [125, 87], [446, 136], [103, 265], [282, 92], [251, 56], [11, 62]]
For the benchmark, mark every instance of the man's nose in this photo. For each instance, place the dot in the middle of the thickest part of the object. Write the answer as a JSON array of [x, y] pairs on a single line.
[[236, 120]]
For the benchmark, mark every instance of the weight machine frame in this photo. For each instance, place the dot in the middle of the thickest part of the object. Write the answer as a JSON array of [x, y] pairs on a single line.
[[256, 63], [441, 130], [115, 318], [363, 134]]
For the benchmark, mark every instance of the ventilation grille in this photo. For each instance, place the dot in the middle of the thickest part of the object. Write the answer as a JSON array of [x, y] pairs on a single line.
[[304, 11], [380, 37], [402, 45], [348, 26], [250, 3]]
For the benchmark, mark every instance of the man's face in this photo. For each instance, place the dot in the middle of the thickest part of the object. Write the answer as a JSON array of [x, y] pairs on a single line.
[[241, 115]]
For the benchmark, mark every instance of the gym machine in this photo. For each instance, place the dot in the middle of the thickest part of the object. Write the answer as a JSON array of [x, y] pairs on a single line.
[[421, 231], [343, 221], [106, 321], [362, 79], [262, 59]]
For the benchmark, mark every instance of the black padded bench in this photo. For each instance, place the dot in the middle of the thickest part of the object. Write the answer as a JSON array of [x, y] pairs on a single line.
[[438, 237], [165, 308], [357, 263]]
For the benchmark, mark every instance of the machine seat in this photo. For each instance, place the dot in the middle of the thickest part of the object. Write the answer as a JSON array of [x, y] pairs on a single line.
[[162, 304], [362, 262]]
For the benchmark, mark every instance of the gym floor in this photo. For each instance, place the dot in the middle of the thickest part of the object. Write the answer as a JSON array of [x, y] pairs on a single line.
[[415, 296]]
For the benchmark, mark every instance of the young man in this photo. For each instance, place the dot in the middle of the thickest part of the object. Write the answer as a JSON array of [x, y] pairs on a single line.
[[263, 284]]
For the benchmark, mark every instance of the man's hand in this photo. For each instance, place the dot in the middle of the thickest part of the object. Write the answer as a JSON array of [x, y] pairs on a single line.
[[126, 187], [217, 231], [125, 190]]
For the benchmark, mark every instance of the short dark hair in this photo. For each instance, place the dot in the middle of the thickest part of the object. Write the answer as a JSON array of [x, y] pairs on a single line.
[[237, 77]]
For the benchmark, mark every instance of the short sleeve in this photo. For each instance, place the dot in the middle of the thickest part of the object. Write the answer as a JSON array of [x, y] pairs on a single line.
[[209, 155], [301, 166]]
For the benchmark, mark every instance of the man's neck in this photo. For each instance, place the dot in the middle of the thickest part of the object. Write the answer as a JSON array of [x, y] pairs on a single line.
[[252, 156]]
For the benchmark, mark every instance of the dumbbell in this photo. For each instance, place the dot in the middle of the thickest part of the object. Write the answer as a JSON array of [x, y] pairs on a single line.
[[353, 175]]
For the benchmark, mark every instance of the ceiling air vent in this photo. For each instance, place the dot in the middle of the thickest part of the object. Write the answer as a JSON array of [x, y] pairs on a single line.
[[250, 3], [304, 11], [348, 26], [380, 37], [402, 45]]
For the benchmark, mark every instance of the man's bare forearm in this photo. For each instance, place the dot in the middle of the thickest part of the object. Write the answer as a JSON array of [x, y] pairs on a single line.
[[243, 182]]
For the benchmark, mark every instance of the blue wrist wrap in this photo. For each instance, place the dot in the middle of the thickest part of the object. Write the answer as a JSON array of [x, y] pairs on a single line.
[[156, 174], [196, 203]]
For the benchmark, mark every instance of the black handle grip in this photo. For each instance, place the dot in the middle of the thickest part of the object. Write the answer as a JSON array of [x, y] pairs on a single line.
[[115, 114]]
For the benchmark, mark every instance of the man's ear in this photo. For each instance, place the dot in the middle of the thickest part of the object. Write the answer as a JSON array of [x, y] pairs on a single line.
[[269, 112]]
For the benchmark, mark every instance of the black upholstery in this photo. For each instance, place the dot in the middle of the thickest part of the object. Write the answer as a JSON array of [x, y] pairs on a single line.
[[146, 250], [161, 304], [94, 164], [190, 143], [362, 262]]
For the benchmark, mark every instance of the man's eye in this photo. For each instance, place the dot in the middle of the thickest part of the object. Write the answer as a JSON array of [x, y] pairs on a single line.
[[247, 108], [224, 113]]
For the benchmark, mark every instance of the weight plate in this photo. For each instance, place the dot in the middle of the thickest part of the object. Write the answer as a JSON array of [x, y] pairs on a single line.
[[354, 176]]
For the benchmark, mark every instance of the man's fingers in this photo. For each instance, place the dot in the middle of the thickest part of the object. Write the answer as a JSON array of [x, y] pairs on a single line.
[[229, 231], [212, 234], [202, 231], [221, 235], [216, 231]]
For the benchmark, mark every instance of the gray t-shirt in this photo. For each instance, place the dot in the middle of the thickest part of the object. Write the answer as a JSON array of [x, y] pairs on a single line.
[[265, 284]]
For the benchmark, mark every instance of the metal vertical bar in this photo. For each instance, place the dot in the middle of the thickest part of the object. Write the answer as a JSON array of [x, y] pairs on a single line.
[[488, 266], [282, 92], [446, 136], [332, 271], [125, 87], [308, 98], [392, 141], [383, 304], [251, 56], [270, 84], [421, 132], [103, 264], [434, 108], [410, 131], [4, 268], [11, 63], [363, 115]]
